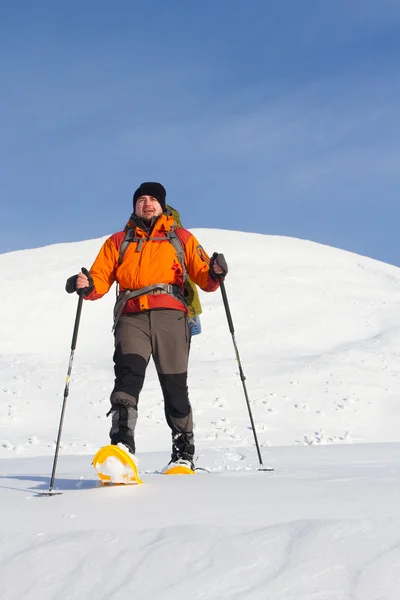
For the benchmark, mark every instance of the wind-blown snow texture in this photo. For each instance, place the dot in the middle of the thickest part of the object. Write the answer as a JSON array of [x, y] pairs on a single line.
[[318, 331]]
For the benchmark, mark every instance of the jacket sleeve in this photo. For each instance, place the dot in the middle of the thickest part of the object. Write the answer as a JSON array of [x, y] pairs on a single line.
[[103, 270], [198, 265]]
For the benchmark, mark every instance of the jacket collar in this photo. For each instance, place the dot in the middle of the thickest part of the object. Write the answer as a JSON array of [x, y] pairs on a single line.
[[163, 222]]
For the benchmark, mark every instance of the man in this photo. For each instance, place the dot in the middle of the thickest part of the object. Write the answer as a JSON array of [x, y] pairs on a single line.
[[151, 314]]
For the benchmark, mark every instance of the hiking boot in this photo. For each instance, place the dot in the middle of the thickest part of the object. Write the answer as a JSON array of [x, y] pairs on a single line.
[[183, 449], [186, 460]]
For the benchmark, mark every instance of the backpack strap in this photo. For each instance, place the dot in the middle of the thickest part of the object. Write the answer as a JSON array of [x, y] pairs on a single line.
[[129, 237], [160, 288], [177, 244]]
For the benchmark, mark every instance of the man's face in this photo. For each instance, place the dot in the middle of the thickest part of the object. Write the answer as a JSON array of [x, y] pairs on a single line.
[[147, 207]]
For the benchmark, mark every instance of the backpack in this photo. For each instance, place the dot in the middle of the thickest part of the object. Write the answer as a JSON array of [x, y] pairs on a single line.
[[191, 292]]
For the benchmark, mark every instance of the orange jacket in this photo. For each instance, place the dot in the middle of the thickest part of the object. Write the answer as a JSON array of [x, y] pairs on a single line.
[[155, 262]]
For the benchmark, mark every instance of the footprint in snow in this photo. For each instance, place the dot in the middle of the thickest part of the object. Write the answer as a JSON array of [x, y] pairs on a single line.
[[234, 456], [7, 445], [220, 403], [302, 406]]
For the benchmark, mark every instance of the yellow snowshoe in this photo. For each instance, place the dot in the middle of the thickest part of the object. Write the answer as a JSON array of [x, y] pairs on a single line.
[[115, 465]]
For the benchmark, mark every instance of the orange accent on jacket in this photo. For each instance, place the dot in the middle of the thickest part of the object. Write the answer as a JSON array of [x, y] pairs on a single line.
[[156, 262]]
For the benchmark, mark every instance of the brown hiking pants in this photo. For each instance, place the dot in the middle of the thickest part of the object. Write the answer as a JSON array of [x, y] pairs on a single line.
[[162, 334]]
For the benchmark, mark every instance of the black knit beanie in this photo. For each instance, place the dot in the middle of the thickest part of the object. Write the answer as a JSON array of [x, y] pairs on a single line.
[[151, 188]]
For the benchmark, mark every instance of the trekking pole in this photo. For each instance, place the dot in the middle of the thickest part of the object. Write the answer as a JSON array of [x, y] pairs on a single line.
[[66, 391], [242, 375]]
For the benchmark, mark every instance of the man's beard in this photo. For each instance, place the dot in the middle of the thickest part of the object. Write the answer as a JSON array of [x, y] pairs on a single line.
[[147, 218]]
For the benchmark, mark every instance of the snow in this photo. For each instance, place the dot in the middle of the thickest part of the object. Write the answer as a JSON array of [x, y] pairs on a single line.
[[317, 330], [113, 468]]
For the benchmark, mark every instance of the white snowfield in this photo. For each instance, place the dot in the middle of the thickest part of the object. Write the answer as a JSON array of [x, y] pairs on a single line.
[[318, 332]]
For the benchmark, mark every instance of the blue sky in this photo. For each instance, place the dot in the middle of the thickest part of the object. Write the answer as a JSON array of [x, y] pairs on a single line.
[[272, 117]]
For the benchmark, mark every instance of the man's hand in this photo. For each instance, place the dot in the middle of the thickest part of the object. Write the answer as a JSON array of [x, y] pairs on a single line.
[[218, 266], [82, 283]]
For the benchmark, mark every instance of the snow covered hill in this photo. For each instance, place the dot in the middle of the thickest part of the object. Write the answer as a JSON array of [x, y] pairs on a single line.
[[318, 331]]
